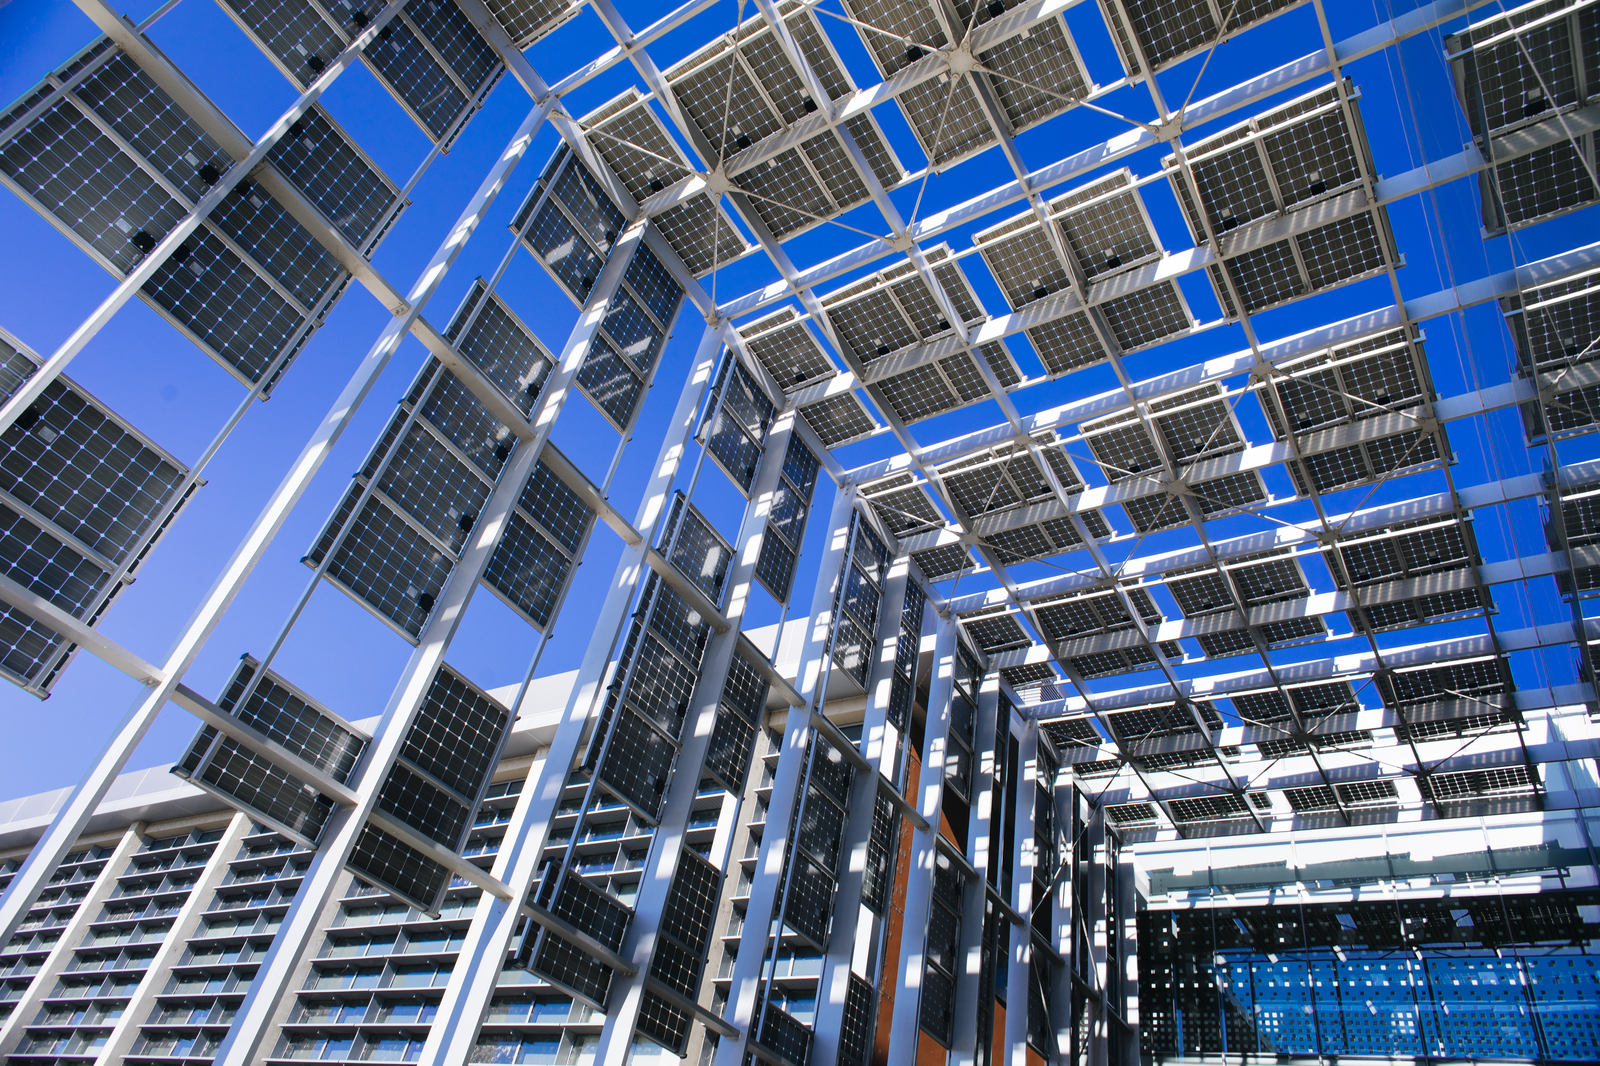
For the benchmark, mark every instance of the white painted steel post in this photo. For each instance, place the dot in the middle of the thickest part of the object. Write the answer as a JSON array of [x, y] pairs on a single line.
[[906, 1028], [745, 984], [1023, 859], [850, 921]]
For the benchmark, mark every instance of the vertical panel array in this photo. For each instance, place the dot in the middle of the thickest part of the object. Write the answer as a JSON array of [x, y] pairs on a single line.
[[941, 950], [571, 226], [859, 597], [256, 784], [83, 498], [1521, 79], [430, 56], [105, 153], [786, 521], [435, 787], [409, 513], [810, 881], [680, 949], [738, 420], [1042, 1025], [631, 754]]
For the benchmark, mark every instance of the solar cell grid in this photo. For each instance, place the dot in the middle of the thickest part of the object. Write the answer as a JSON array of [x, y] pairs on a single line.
[[941, 563], [525, 21], [947, 118], [1505, 78], [387, 563], [457, 735], [689, 226], [50, 567], [491, 335], [461, 419], [527, 570], [418, 81], [701, 554], [995, 632], [325, 163], [1036, 74], [292, 32], [631, 139], [1539, 185], [225, 306], [295, 721], [839, 419], [442, 493], [76, 464], [589, 209], [457, 41], [788, 350], [383, 861], [264, 231]]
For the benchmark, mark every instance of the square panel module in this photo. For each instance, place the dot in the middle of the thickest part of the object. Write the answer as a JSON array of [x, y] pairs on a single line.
[[105, 154], [83, 498], [743, 89], [894, 319], [1022, 78], [571, 226], [429, 56], [1099, 237], [783, 343], [1288, 196], [1528, 81], [409, 512]]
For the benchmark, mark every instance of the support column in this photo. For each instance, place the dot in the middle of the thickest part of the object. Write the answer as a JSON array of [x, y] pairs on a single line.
[[744, 988], [850, 921], [906, 1027], [301, 925], [1126, 934], [122, 1038], [655, 885], [483, 955], [975, 901], [1068, 966], [85, 798], [71, 936], [1023, 860]]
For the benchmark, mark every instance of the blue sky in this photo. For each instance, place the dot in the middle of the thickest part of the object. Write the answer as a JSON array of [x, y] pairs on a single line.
[[338, 652]]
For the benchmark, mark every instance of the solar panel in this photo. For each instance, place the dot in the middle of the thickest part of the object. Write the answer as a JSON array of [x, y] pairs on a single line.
[[569, 224], [491, 335], [83, 498], [738, 418], [1166, 33], [1404, 550], [947, 118], [744, 698], [351, 191], [701, 232], [682, 942], [787, 349], [72, 461], [425, 485], [435, 786], [530, 565], [1305, 151], [1006, 475], [113, 204], [1555, 325], [1412, 690], [1066, 344], [992, 630], [786, 521], [1540, 185], [525, 21], [1193, 425], [1043, 539], [1504, 79], [1326, 257], [1036, 74], [254, 783]]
